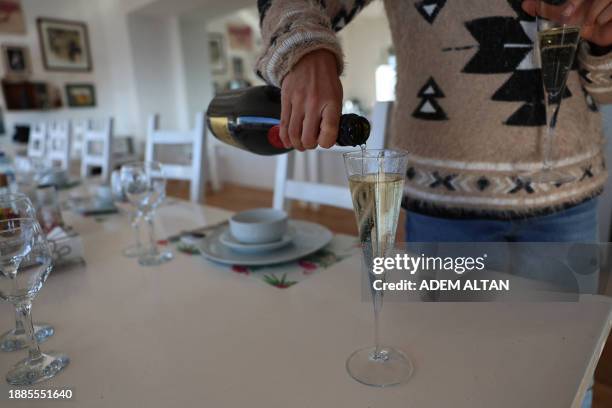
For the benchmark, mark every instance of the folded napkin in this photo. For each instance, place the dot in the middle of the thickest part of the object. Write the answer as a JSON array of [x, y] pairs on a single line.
[[66, 246]]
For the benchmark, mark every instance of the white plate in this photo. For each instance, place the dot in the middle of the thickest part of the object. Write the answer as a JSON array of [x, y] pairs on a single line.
[[227, 239], [308, 237]]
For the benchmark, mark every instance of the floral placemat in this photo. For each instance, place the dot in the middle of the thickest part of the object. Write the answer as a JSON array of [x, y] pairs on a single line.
[[285, 275]]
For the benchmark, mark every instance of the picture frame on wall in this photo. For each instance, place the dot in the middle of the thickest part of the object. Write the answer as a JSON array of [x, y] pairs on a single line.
[[216, 52], [16, 60], [12, 20], [64, 45], [80, 95]]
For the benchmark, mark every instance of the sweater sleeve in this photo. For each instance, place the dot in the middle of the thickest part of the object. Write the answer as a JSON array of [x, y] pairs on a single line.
[[596, 72], [292, 28]]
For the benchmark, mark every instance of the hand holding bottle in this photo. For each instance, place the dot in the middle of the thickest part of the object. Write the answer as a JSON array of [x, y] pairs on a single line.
[[595, 16], [311, 97]]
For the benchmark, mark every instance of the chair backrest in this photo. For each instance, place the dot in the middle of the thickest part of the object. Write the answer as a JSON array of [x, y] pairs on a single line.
[[79, 127], [59, 143], [97, 150], [37, 143], [310, 190], [196, 138]]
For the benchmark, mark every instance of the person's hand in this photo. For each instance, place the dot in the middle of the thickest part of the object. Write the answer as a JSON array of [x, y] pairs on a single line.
[[311, 98], [594, 15]]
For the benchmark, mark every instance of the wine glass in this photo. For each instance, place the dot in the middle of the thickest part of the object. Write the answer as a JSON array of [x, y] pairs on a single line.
[[556, 46], [25, 263], [376, 180], [145, 188], [18, 205], [121, 201]]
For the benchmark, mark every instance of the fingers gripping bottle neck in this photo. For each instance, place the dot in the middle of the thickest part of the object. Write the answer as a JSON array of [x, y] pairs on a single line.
[[249, 119]]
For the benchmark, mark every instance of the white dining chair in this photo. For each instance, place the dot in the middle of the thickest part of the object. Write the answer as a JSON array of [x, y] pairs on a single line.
[[79, 127], [59, 143], [312, 190], [286, 187], [97, 150], [37, 143], [212, 154], [194, 172]]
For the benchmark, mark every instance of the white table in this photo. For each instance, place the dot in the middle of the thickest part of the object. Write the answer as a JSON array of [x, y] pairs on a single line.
[[190, 333]]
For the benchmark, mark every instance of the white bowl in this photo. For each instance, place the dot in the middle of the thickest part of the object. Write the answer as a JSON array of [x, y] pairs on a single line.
[[259, 226]]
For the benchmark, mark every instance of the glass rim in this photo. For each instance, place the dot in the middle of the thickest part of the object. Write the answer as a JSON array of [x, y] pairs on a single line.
[[24, 220], [363, 154], [8, 197]]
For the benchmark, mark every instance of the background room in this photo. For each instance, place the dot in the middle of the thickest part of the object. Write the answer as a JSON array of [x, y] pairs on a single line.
[[121, 70]]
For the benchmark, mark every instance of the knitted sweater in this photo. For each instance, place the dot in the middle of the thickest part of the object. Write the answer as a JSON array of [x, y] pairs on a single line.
[[469, 101]]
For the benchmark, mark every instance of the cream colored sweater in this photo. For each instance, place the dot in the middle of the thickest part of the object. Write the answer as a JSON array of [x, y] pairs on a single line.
[[469, 102]]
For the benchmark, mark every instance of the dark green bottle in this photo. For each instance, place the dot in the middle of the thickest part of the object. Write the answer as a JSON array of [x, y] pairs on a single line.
[[249, 119]]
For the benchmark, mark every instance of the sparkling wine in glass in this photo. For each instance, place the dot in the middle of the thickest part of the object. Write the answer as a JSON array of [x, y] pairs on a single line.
[[376, 180], [145, 187], [17, 205], [25, 263], [556, 47]]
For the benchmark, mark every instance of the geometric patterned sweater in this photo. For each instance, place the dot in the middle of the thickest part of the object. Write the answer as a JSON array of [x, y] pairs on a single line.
[[469, 103]]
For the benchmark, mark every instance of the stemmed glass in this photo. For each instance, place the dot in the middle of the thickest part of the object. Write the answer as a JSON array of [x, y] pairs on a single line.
[[120, 199], [25, 263], [18, 205], [556, 46], [145, 188], [376, 180]]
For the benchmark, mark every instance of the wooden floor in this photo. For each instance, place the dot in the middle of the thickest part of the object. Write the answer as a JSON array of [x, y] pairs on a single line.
[[238, 198]]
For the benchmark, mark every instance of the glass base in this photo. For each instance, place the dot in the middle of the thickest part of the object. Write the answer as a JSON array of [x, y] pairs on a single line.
[[155, 259], [388, 367], [47, 366], [11, 341], [134, 251], [549, 177]]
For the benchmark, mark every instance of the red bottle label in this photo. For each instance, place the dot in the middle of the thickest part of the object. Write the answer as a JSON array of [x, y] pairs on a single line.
[[274, 137]]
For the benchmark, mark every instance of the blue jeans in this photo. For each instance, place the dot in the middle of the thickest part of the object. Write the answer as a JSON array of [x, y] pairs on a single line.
[[570, 260], [577, 224]]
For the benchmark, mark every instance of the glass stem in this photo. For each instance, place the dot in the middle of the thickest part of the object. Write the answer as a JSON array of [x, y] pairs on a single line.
[[552, 107], [152, 242], [24, 311], [135, 220], [18, 323], [378, 301]]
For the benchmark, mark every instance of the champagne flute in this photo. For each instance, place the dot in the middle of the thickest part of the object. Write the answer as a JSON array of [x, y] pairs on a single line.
[[120, 199], [145, 188], [556, 46], [25, 263], [18, 205], [376, 180]]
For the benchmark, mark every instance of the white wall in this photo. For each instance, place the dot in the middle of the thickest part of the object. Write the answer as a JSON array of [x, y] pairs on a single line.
[[365, 42], [159, 76], [112, 72]]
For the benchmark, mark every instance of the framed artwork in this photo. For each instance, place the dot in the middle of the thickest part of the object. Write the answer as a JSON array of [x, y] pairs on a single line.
[[64, 45], [11, 17], [80, 95], [217, 56], [240, 37], [16, 59]]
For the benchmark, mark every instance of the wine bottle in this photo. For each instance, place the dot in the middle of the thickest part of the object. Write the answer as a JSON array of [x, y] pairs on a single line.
[[249, 119]]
